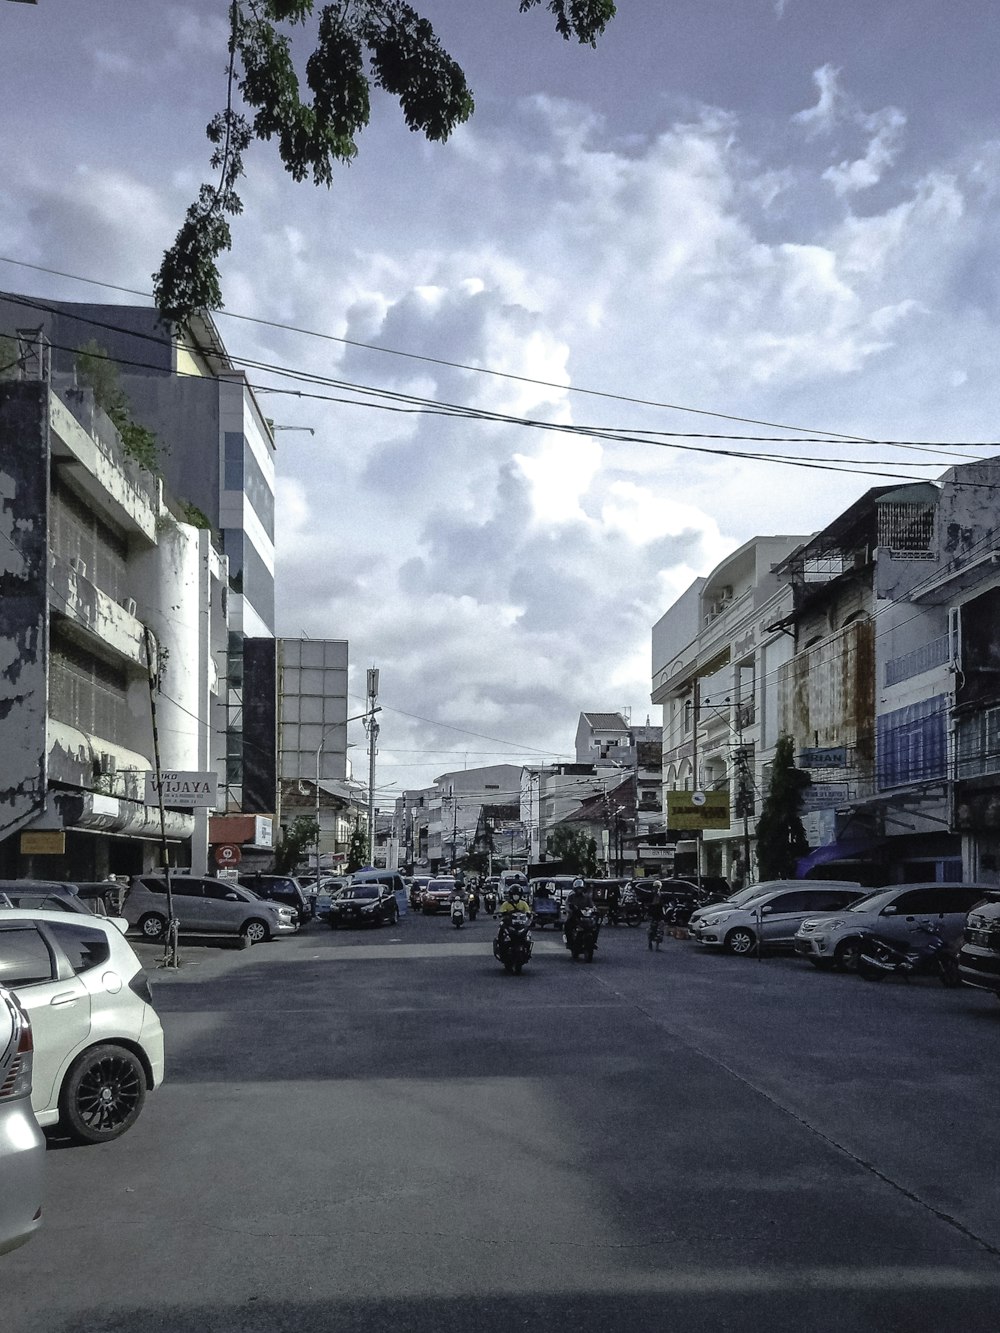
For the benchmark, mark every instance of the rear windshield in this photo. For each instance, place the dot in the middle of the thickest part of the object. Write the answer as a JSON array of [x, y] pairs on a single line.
[[360, 891]]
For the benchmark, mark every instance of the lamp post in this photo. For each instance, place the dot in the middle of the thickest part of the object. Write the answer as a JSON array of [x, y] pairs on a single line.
[[319, 752]]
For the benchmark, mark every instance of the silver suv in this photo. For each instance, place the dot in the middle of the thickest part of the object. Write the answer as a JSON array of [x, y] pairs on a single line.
[[772, 916], [835, 941], [205, 907]]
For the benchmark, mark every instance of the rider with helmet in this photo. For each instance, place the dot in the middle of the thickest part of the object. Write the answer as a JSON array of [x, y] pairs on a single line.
[[578, 901]]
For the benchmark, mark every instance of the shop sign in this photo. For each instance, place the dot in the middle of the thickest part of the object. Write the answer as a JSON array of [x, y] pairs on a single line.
[[184, 790], [43, 842], [228, 855], [830, 756], [698, 810]]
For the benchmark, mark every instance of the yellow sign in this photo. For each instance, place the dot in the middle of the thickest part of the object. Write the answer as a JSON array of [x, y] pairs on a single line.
[[44, 842], [698, 810]]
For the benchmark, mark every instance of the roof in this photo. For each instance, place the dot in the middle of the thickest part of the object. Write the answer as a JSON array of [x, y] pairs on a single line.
[[606, 721]]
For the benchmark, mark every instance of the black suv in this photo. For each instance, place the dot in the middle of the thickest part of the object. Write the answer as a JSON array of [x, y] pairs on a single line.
[[281, 889]]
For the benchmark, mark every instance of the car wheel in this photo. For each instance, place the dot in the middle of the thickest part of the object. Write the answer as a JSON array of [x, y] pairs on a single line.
[[740, 941], [255, 931], [153, 926], [846, 955], [102, 1094]]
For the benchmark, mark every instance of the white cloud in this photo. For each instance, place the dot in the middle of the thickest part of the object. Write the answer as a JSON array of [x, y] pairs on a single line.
[[883, 147], [823, 115]]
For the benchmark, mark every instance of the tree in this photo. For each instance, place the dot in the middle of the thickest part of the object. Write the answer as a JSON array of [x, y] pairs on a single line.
[[358, 45], [357, 848], [295, 842], [95, 368], [574, 849], [781, 839]]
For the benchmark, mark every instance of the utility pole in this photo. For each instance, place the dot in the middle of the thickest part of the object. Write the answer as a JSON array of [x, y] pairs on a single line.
[[170, 955], [696, 709], [372, 728]]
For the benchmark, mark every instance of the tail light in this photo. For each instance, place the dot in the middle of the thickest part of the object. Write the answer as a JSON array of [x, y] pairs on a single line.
[[18, 1080], [139, 985]]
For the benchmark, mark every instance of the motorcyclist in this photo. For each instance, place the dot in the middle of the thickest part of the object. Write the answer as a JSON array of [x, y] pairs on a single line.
[[657, 915], [513, 900], [577, 903]]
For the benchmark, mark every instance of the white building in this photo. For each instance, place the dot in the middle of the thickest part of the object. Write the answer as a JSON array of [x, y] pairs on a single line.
[[93, 554]]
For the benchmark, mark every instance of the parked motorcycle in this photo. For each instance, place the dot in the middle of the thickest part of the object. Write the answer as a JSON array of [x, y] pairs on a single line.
[[457, 913], [581, 937], [513, 944], [930, 956]]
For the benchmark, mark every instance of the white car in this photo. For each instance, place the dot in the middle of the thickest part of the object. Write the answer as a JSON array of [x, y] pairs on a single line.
[[98, 1040], [22, 1145]]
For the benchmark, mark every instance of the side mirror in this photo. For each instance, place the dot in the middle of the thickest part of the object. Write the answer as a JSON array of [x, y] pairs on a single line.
[[765, 909], [891, 910], [232, 898]]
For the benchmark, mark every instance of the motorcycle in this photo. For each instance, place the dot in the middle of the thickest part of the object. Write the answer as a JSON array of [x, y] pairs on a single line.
[[932, 956], [473, 905], [581, 937], [458, 913], [513, 944], [490, 901]]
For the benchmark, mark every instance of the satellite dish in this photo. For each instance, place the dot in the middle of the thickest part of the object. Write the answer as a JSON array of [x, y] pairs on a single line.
[[697, 798]]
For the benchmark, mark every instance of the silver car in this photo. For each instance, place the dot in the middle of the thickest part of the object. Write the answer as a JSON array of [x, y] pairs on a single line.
[[835, 940], [205, 906], [772, 917], [22, 1144]]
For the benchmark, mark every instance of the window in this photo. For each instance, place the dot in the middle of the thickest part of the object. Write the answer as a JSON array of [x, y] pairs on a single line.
[[84, 946], [24, 957], [906, 528], [832, 900]]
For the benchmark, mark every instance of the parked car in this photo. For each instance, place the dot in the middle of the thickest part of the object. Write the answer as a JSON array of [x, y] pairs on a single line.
[[282, 889], [205, 907], [736, 899], [834, 941], [772, 916], [979, 959], [56, 896], [365, 904], [437, 895], [97, 1038], [22, 1144]]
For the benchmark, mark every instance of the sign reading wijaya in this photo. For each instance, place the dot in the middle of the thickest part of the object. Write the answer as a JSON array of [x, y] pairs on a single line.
[[188, 791], [698, 809]]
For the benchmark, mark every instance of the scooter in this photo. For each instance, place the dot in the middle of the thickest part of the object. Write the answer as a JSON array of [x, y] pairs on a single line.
[[458, 914], [931, 956], [513, 943], [581, 940], [490, 901], [473, 905]]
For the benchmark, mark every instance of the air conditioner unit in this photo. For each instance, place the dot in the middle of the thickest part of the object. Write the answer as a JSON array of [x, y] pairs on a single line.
[[78, 566], [129, 605]]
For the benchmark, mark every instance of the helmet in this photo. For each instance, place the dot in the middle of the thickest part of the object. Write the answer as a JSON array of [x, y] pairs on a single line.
[[578, 884], [657, 885]]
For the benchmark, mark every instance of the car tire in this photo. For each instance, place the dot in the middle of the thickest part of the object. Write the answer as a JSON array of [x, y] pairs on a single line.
[[846, 954], [152, 926], [255, 930], [102, 1094], [740, 941]]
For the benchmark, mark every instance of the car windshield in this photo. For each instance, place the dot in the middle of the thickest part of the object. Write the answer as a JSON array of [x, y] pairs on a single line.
[[874, 902], [443, 886], [361, 891]]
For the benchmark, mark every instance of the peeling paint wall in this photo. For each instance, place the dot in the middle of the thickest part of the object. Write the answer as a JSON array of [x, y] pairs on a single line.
[[24, 503]]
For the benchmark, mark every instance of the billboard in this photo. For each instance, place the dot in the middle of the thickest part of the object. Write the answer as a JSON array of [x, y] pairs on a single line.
[[698, 810], [182, 790]]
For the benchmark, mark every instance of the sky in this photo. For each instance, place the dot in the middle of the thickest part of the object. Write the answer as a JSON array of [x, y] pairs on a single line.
[[780, 211]]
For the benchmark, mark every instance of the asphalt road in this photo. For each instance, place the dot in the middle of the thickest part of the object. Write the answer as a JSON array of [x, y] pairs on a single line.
[[382, 1130]]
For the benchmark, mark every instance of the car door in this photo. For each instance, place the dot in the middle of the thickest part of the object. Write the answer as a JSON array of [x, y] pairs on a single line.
[[905, 914], [57, 1002], [947, 906], [224, 906], [781, 916]]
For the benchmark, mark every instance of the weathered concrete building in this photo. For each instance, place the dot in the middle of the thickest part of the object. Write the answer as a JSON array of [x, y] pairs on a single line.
[[93, 553]]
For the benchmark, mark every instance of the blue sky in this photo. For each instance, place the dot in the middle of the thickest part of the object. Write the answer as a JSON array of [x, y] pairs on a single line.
[[782, 212]]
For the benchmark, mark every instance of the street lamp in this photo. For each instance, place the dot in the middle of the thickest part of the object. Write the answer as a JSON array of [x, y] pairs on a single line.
[[319, 752]]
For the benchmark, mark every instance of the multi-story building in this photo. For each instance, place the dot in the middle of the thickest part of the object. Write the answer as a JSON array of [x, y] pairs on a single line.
[[454, 807], [217, 451], [101, 578], [893, 628], [716, 655]]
